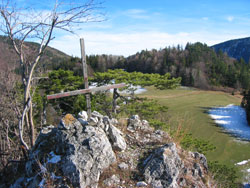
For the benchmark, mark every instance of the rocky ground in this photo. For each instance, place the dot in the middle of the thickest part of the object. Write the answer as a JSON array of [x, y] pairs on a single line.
[[105, 152]]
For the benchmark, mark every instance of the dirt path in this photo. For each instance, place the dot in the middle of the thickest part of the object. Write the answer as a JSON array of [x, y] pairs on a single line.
[[187, 94]]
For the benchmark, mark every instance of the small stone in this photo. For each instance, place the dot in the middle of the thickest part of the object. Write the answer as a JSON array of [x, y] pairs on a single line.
[[123, 166], [160, 132], [106, 120], [141, 184], [135, 117], [47, 129], [134, 123], [202, 159], [114, 121], [113, 180], [83, 114], [157, 184], [96, 114], [145, 122], [182, 182], [115, 135], [82, 121], [93, 121]]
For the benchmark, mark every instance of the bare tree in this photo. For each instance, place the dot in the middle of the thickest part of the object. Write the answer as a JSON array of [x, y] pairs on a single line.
[[9, 112], [23, 24]]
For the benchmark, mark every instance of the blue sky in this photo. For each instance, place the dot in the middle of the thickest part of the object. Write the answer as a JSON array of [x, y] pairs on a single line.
[[134, 25]]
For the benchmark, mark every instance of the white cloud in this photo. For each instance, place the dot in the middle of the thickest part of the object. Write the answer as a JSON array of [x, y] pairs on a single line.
[[129, 43], [136, 13], [230, 18]]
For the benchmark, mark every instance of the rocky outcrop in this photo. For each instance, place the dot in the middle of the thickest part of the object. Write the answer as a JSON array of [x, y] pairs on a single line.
[[96, 153], [165, 168], [77, 152], [162, 168]]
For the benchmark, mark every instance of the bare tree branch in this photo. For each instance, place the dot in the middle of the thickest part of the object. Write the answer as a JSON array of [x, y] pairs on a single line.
[[24, 23]]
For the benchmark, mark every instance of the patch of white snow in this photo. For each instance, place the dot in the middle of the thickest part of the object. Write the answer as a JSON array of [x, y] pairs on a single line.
[[243, 162], [54, 158], [218, 117], [222, 122]]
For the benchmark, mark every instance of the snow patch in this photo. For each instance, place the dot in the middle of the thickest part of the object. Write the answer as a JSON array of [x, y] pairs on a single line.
[[218, 117], [54, 158], [243, 162], [222, 122], [233, 119]]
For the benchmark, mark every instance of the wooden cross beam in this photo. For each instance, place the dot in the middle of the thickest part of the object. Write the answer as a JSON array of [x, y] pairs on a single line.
[[87, 90], [84, 91]]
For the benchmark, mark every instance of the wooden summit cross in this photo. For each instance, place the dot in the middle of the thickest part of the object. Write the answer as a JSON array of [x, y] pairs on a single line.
[[87, 90]]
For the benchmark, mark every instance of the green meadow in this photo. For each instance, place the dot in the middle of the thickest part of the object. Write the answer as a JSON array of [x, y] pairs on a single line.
[[187, 109]]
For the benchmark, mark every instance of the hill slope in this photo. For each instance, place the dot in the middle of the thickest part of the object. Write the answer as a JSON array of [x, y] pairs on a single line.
[[237, 48], [8, 56]]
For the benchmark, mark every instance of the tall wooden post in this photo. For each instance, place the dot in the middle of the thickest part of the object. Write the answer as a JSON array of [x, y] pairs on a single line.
[[114, 100], [85, 75]]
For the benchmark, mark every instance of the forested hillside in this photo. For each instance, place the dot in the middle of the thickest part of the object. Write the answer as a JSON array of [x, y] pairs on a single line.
[[197, 64], [237, 48]]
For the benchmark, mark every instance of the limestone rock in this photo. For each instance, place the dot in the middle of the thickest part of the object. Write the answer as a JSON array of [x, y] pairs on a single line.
[[145, 126], [83, 115], [77, 152], [93, 121], [134, 123], [47, 129], [115, 135], [113, 180], [123, 166], [141, 184], [106, 122], [84, 153], [202, 159], [82, 121], [97, 115], [163, 166]]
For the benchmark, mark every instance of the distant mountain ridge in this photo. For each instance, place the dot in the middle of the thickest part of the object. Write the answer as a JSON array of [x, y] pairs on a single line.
[[236, 48]]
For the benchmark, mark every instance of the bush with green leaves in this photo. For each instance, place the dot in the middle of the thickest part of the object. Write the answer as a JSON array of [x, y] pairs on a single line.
[[136, 78], [224, 175], [147, 109], [65, 80], [194, 144]]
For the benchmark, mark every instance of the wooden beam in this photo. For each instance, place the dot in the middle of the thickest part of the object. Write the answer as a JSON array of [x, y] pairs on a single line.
[[85, 76], [84, 91]]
